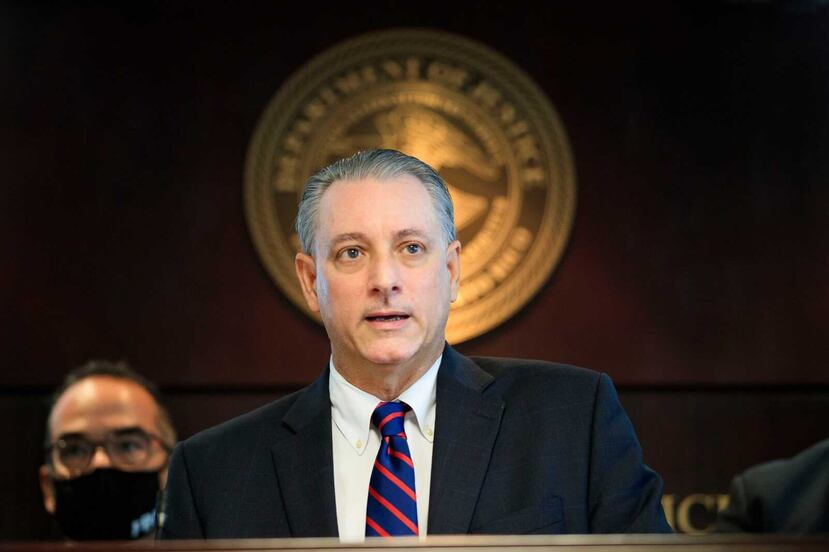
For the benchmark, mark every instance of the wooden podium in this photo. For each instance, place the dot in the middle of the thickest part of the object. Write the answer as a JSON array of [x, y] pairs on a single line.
[[463, 543]]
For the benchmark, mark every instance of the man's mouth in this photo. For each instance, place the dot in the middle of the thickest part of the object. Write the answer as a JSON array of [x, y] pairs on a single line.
[[387, 317]]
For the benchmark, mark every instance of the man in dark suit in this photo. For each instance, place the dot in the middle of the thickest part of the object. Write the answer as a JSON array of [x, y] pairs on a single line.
[[782, 496], [401, 434]]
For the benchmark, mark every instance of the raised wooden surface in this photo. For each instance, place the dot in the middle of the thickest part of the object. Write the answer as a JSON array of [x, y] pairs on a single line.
[[595, 543]]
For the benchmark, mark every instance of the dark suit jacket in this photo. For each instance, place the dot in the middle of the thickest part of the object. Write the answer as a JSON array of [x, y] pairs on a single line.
[[520, 447], [783, 496]]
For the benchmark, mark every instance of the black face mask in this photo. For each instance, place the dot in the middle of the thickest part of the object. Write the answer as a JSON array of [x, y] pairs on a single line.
[[107, 504]]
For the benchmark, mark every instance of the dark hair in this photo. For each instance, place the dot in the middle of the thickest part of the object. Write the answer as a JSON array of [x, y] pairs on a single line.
[[119, 370]]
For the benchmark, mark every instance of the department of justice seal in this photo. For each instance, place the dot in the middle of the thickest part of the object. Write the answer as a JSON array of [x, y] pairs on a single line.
[[461, 107]]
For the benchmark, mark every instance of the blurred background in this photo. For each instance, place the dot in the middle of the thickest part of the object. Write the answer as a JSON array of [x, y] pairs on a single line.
[[696, 274]]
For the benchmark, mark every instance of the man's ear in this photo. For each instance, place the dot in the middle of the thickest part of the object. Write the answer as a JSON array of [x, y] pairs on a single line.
[[453, 263], [47, 489], [306, 271]]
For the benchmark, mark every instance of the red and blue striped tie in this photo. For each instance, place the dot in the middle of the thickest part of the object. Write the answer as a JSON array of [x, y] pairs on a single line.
[[392, 502]]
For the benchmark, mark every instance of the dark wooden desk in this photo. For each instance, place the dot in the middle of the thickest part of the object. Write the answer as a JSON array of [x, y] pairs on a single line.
[[477, 543]]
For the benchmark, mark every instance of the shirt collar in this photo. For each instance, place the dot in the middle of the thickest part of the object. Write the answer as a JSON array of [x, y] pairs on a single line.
[[351, 407]]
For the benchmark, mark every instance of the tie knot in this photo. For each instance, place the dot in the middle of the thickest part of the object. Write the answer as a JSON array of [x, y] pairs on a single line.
[[388, 418]]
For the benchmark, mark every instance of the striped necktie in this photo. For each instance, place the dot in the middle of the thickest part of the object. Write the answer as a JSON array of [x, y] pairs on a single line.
[[392, 503]]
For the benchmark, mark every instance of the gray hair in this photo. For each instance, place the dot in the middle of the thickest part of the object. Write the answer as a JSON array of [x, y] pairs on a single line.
[[381, 164]]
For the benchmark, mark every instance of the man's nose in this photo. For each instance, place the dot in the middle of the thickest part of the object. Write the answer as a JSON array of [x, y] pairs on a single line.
[[100, 459], [385, 274]]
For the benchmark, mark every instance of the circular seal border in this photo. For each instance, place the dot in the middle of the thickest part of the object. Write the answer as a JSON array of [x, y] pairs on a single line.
[[486, 61]]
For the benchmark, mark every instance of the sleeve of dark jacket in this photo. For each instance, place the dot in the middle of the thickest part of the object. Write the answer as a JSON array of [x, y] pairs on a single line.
[[625, 495], [739, 516], [178, 518]]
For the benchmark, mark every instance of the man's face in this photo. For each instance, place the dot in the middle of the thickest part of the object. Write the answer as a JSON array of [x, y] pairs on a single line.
[[95, 407], [382, 276]]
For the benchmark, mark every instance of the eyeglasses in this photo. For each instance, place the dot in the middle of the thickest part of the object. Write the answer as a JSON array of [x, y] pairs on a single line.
[[127, 449]]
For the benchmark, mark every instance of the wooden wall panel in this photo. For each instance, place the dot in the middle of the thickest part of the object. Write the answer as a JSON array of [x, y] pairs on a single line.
[[699, 253]]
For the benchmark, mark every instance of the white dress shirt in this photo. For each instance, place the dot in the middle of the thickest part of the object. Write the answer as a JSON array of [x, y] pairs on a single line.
[[356, 443]]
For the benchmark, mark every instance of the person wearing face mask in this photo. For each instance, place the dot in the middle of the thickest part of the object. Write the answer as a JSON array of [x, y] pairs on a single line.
[[108, 440]]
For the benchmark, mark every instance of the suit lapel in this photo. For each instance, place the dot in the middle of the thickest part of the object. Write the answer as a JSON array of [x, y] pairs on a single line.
[[465, 429], [304, 464]]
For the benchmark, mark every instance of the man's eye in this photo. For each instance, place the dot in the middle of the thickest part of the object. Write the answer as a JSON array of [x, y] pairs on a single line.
[[127, 446], [413, 248], [74, 450], [350, 253]]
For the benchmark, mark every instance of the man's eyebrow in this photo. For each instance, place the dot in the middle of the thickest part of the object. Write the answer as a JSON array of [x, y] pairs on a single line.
[[360, 237], [409, 233], [116, 431], [347, 236], [128, 429], [72, 435]]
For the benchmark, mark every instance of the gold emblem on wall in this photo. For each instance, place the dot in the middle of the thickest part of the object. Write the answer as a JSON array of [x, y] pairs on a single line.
[[453, 103]]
